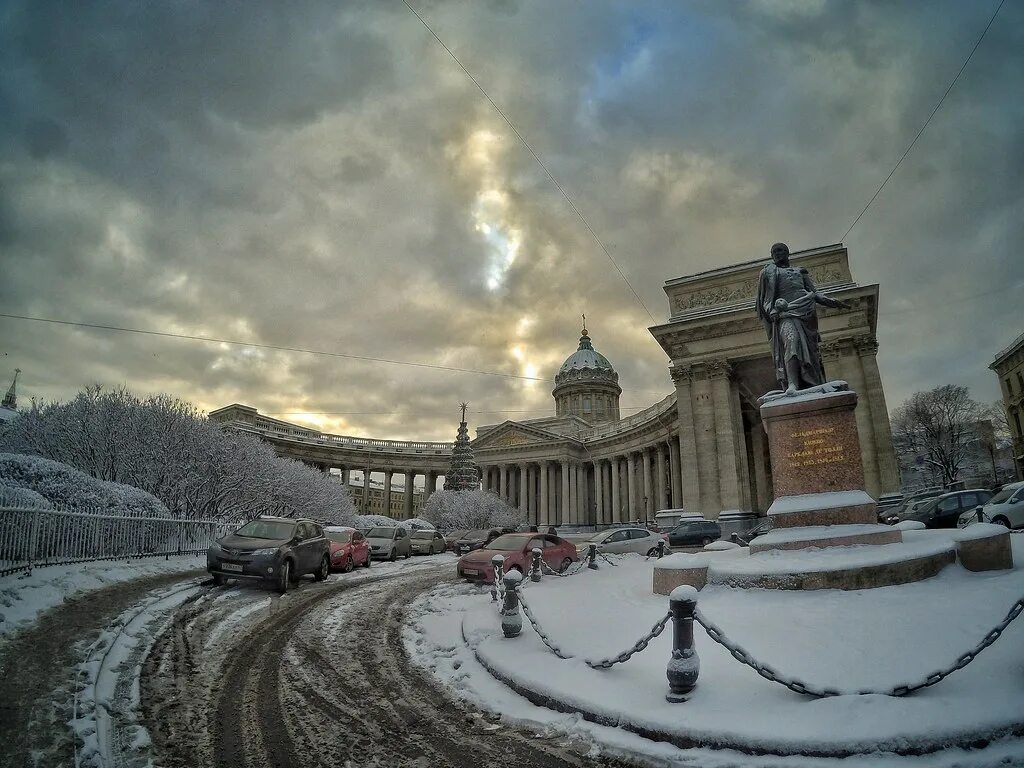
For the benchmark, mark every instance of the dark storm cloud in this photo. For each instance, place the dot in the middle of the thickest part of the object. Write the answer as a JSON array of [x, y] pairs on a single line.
[[323, 175]]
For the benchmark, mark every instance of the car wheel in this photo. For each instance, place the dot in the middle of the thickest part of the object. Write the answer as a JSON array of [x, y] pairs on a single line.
[[324, 570], [284, 577], [408, 554], [367, 563], [219, 580], [1001, 521], [516, 568], [393, 556], [652, 552], [564, 566], [705, 541]]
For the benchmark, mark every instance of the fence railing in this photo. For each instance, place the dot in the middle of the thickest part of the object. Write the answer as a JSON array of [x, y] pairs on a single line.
[[31, 537]]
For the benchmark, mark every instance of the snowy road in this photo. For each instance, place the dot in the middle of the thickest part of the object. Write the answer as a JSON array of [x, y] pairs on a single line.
[[315, 678]]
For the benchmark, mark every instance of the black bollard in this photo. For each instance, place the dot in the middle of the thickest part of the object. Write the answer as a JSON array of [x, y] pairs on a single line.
[[592, 557], [497, 561], [684, 666], [511, 619], [535, 566], [980, 514], [661, 549]]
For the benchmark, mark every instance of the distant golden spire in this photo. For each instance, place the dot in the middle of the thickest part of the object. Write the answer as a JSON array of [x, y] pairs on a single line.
[[584, 324], [464, 406]]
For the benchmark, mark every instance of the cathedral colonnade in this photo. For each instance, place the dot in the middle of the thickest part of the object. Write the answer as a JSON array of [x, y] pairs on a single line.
[[598, 491]]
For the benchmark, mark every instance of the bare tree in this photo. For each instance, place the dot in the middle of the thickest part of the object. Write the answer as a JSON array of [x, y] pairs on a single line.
[[939, 426]]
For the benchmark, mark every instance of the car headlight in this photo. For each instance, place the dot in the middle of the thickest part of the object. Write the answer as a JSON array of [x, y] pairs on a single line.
[[338, 555], [214, 549], [264, 552]]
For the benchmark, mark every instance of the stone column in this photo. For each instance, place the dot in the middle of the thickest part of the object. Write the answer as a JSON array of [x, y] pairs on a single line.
[[523, 488], [572, 516], [727, 441], [659, 497], [757, 447], [849, 364], [542, 506], [366, 491], [598, 492], [704, 429], [565, 494], [409, 477], [888, 471], [503, 482], [616, 495], [648, 487], [675, 472], [388, 473], [344, 476], [686, 488], [429, 485], [631, 484], [583, 494]]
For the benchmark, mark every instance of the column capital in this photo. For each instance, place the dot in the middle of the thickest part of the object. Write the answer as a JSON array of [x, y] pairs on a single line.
[[681, 374], [865, 345], [718, 369]]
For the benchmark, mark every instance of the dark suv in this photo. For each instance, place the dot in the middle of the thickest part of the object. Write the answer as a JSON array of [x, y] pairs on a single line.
[[943, 511], [691, 532], [277, 550]]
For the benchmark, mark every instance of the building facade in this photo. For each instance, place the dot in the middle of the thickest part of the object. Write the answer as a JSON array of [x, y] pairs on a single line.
[[702, 447], [1009, 367]]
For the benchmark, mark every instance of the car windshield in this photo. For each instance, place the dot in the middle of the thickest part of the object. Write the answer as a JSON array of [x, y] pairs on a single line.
[[481, 534], [267, 529], [509, 543], [924, 507], [1003, 495], [339, 537], [423, 534], [381, 533]]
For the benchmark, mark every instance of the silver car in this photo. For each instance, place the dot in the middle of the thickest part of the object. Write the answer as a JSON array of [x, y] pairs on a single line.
[[389, 543], [1005, 508], [427, 542], [619, 540]]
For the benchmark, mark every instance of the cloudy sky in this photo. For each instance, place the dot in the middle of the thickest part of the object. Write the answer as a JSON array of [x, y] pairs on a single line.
[[323, 175]]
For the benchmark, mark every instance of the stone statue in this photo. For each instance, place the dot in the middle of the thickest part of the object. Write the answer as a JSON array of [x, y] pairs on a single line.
[[786, 300]]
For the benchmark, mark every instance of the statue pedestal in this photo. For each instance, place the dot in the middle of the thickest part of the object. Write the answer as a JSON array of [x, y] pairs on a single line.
[[817, 471]]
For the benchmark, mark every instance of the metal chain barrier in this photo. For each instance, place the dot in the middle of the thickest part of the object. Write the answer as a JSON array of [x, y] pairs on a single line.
[[607, 559], [581, 565], [798, 686], [608, 663]]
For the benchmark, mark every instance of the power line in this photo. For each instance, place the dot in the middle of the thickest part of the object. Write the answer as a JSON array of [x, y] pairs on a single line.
[[536, 157], [277, 347], [283, 348], [926, 122]]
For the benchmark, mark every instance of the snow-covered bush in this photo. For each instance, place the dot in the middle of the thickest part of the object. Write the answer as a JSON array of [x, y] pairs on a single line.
[[373, 521], [416, 524], [453, 510], [59, 485], [169, 449], [16, 496]]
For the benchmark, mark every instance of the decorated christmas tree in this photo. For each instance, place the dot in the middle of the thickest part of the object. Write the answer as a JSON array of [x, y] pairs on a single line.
[[462, 475]]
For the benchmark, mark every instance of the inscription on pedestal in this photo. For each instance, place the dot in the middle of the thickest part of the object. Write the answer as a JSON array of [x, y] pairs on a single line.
[[814, 445]]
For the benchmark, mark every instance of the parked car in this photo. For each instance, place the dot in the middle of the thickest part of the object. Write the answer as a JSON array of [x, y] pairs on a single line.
[[276, 550], [617, 540], [427, 542], [387, 543], [667, 519], [944, 511], [451, 539], [349, 548], [744, 538], [906, 507], [1005, 508], [517, 549], [476, 539], [693, 532]]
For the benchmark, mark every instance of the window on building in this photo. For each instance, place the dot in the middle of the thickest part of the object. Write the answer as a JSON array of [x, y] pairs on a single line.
[[1016, 419], [1009, 386], [1020, 382], [586, 404]]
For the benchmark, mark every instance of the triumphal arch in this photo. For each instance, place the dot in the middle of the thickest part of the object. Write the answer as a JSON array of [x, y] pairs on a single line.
[[721, 364]]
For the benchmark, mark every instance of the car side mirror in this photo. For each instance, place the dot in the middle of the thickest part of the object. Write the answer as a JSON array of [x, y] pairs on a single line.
[[294, 539]]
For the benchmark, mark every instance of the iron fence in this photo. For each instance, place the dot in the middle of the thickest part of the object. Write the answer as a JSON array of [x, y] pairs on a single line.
[[32, 537]]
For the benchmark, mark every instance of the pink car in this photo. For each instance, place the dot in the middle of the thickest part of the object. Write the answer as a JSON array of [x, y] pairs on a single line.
[[349, 548], [517, 549]]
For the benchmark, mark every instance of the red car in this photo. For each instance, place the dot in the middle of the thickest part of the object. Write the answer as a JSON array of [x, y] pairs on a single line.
[[517, 549], [349, 548]]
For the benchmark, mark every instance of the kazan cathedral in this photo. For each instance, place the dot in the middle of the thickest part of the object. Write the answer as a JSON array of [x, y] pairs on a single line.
[[702, 448]]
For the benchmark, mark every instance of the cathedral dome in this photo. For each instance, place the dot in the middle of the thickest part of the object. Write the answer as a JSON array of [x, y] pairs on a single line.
[[587, 385]]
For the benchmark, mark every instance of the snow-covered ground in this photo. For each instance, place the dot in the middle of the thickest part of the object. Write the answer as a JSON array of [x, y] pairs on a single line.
[[848, 640], [23, 596]]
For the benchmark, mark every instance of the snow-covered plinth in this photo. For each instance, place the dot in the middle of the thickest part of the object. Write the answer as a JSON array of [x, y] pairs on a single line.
[[819, 536], [853, 640], [827, 508]]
